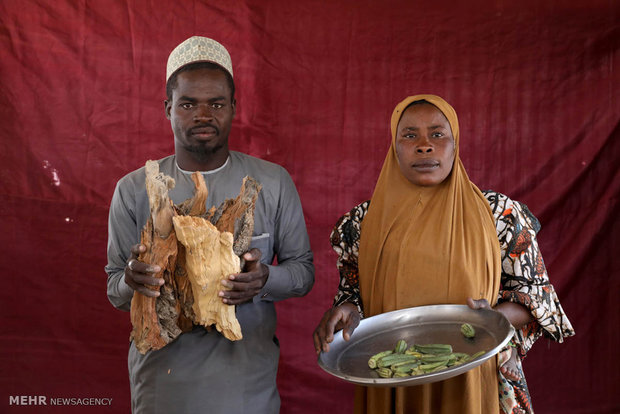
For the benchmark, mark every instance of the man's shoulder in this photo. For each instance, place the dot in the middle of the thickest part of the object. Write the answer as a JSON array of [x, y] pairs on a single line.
[[254, 161], [273, 177], [259, 167], [137, 176]]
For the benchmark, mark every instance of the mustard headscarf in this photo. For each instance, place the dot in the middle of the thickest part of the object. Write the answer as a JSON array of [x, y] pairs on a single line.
[[427, 245]]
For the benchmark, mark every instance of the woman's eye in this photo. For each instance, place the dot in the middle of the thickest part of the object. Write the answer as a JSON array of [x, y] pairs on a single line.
[[409, 136], [437, 135]]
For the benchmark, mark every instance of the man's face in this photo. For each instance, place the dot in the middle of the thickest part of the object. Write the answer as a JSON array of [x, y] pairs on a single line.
[[424, 145], [201, 113]]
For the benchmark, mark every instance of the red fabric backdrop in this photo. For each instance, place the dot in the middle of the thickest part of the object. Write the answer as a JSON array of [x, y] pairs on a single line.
[[535, 85]]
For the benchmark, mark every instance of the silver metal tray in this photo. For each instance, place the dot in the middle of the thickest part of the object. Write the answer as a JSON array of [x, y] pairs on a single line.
[[435, 324]]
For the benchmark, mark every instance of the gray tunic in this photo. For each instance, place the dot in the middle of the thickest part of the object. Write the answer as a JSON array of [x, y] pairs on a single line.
[[203, 372]]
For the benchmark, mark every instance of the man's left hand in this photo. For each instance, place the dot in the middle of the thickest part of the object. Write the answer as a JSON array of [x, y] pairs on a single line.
[[242, 287]]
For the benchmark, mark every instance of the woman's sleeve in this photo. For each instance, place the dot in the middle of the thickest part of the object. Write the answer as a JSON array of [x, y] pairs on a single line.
[[345, 239], [524, 276]]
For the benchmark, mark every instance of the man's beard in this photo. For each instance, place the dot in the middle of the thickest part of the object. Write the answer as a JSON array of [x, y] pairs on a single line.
[[202, 152]]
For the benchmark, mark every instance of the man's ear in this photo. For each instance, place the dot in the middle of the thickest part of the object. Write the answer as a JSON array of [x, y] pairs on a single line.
[[234, 106], [167, 106]]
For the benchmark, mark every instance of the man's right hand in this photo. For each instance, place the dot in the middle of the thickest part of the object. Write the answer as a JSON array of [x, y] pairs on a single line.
[[345, 316], [139, 276]]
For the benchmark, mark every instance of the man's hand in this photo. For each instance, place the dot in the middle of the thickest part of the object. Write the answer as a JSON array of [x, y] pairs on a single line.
[[242, 287], [345, 316], [139, 275]]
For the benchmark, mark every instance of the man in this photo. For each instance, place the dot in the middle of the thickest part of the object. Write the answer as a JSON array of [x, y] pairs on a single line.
[[202, 371]]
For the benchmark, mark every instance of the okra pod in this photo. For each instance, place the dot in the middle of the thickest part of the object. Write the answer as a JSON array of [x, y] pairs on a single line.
[[372, 362]]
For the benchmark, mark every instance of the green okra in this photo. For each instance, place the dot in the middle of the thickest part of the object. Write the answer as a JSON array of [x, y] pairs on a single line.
[[426, 358], [385, 372], [394, 359], [477, 354], [401, 361], [404, 367], [436, 349], [372, 362], [401, 347], [428, 367], [468, 331]]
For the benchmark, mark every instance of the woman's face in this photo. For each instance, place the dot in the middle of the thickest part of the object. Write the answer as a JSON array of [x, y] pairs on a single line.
[[424, 145]]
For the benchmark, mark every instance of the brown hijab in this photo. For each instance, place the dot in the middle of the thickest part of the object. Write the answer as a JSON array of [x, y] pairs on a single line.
[[427, 245], [422, 246]]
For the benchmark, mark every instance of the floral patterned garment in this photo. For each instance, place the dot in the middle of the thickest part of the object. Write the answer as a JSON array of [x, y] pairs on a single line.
[[524, 280]]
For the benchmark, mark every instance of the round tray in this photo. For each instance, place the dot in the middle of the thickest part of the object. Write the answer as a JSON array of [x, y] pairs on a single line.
[[434, 324]]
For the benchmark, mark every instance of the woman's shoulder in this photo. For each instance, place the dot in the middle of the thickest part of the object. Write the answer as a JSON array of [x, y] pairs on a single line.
[[347, 228], [509, 211], [360, 210], [496, 198], [355, 215]]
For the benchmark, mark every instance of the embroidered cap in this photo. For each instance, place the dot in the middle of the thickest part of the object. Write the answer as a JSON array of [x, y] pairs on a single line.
[[198, 49]]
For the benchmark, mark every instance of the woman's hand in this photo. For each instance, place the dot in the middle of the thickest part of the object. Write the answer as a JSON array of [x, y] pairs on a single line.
[[478, 303], [345, 316], [517, 314]]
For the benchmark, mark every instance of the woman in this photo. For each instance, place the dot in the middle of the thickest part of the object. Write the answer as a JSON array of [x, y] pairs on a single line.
[[430, 236]]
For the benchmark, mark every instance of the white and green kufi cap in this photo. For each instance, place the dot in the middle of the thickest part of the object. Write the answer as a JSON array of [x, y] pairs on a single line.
[[198, 49]]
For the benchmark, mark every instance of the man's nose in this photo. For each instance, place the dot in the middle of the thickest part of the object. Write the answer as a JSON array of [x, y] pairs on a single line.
[[203, 112]]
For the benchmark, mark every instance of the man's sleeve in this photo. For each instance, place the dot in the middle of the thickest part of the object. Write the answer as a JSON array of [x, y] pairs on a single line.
[[122, 235], [293, 276]]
